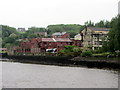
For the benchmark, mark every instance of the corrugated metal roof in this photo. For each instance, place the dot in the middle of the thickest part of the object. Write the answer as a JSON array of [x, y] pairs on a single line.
[[99, 29]]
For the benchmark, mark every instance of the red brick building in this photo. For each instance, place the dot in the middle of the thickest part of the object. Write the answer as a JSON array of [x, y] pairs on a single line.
[[37, 45]]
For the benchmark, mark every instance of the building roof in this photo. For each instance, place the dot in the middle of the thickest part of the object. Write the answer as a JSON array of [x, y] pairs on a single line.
[[62, 40], [99, 29], [56, 40], [59, 33], [47, 40]]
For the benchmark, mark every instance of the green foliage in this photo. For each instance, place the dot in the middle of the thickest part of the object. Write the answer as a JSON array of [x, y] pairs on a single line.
[[30, 33], [36, 29], [72, 29], [89, 23], [112, 43], [86, 53], [9, 35], [70, 51], [8, 45], [6, 31], [102, 24], [114, 35], [105, 54], [32, 36]]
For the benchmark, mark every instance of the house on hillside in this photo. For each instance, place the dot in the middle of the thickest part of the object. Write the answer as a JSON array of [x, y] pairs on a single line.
[[60, 35], [93, 37]]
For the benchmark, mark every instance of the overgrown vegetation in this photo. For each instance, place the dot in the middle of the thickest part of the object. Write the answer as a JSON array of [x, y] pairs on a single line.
[[86, 53], [70, 51]]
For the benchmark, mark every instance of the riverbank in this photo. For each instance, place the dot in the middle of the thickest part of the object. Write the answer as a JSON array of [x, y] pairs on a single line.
[[90, 62]]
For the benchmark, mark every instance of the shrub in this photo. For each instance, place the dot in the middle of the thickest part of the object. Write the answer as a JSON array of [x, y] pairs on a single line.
[[86, 53], [70, 51]]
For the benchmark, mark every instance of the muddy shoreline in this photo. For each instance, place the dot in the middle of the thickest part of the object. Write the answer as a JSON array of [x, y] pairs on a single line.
[[90, 62]]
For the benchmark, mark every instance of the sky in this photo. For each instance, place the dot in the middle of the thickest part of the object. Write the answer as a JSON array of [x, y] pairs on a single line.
[[41, 13]]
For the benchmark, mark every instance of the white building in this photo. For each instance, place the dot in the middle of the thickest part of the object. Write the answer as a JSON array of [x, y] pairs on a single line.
[[77, 37], [93, 37]]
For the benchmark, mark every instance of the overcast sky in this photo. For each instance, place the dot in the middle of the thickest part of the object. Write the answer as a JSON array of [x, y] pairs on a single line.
[[40, 13]]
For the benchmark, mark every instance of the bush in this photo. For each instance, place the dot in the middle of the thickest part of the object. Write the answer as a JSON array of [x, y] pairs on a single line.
[[86, 53], [70, 51]]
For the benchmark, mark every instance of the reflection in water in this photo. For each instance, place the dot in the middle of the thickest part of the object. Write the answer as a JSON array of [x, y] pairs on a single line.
[[18, 75]]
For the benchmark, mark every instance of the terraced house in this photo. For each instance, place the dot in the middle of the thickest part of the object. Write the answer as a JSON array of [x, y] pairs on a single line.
[[93, 37]]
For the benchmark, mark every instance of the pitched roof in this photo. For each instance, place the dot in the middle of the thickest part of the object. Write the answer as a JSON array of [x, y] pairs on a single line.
[[62, 40], [99, 29], [47, 40], [56, 40], [59, 33]]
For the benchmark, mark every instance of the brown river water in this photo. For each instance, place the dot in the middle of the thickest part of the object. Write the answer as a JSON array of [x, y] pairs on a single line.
[[19, 75]]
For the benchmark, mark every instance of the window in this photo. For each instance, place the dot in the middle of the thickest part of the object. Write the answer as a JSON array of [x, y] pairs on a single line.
[[61, 44], [95, 42], [49, 43], [45, 43], [70, 43], [89, 43], [100, 42]]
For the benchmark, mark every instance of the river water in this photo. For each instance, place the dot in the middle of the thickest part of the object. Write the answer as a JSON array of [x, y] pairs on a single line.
[[19, 75]]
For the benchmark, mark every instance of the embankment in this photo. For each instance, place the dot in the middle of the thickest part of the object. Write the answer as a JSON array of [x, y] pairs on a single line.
[[90, 62]]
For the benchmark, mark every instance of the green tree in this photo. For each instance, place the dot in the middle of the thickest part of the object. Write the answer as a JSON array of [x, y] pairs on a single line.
[[89, 23], [114, 35], [103, 24]]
